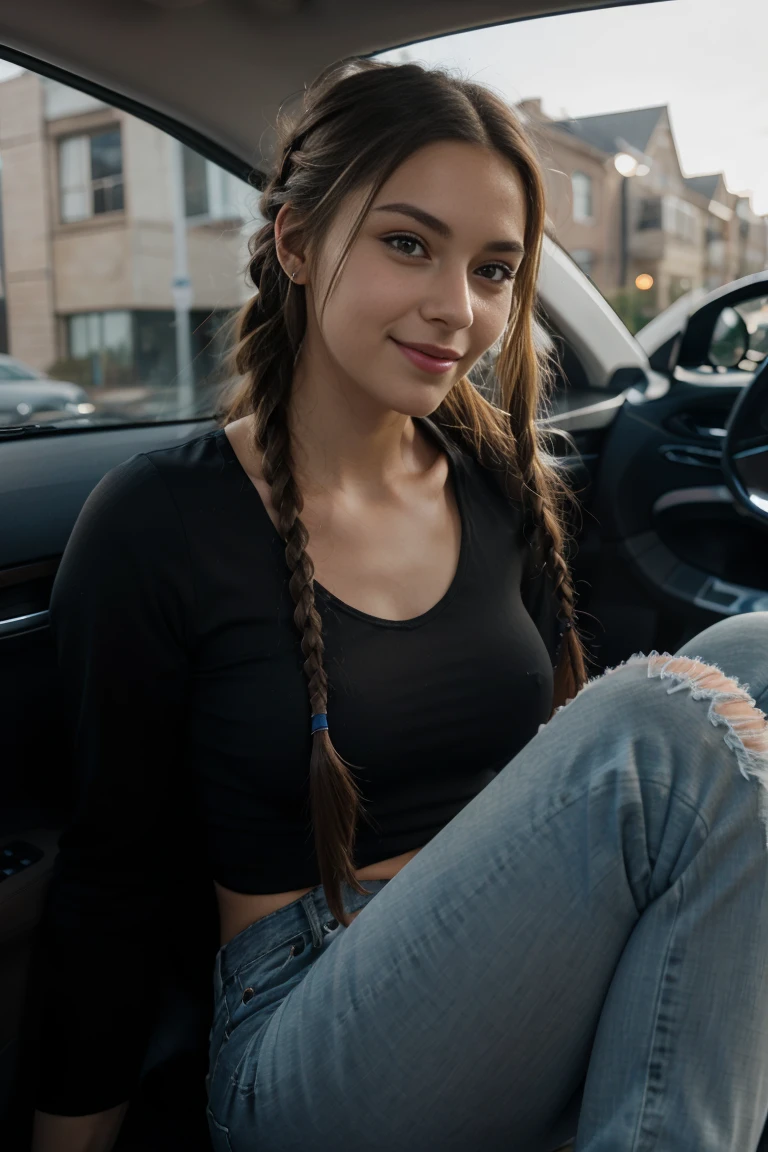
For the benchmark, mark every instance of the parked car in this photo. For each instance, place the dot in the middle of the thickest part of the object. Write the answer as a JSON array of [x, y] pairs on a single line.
[[27, 395], [664, 549]]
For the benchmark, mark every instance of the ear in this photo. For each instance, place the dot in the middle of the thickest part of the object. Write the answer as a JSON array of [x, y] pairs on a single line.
[[289, 250]]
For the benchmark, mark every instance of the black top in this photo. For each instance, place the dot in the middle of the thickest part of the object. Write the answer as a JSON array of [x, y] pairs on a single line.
[[182, 668]]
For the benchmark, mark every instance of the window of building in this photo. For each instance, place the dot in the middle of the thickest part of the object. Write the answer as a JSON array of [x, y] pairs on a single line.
[[90, 175], [649, 214], [195, 183], [582, 196], [679, 218], [137, 350], [585, 260], [102, 343], [209, 191]]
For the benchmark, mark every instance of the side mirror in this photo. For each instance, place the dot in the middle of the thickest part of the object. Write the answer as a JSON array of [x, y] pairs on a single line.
[[728, 329], [730, 339]]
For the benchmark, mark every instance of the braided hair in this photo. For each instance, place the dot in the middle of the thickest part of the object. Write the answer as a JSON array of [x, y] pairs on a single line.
[[359, 121]]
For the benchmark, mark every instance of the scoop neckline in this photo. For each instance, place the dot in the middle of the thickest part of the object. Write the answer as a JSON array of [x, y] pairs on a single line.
[[349, 609]]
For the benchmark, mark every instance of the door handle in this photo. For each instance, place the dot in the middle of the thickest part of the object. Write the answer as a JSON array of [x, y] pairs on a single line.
[[18, 625]]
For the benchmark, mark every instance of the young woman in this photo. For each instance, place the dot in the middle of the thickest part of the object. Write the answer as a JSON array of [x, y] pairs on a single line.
[[450, 905]]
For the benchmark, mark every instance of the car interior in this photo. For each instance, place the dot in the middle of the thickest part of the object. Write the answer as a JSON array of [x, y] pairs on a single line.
[[664, 546]]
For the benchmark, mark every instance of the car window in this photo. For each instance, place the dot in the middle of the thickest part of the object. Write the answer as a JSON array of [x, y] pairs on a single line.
[[123, 258], [656, 179], [123, 253]]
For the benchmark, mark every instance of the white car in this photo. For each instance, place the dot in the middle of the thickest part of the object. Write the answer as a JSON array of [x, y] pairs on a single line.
[[27, 395]]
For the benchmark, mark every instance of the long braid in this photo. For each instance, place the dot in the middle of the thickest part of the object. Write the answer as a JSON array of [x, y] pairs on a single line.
[[507, 444], [270, 330], [334, 795], [570, 673]]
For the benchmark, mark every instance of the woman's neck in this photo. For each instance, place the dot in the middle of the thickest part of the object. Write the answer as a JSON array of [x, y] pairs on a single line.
[[343, 440]]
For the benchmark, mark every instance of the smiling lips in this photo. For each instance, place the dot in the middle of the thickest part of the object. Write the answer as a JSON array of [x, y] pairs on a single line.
[[429, 357]]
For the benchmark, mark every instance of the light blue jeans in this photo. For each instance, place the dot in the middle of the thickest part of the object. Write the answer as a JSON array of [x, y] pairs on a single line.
[[582, 950]]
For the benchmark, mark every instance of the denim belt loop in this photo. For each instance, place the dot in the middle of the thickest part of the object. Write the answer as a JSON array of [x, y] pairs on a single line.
[[310, 911]]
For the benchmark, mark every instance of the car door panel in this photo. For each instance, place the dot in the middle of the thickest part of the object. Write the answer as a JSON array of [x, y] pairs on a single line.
[[44, 482]]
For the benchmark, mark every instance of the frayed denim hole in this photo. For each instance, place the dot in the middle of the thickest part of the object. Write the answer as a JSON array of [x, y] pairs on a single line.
[[730, 706]]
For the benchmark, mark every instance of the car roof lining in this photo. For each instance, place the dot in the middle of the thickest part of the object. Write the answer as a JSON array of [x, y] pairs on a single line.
[[219, 70]]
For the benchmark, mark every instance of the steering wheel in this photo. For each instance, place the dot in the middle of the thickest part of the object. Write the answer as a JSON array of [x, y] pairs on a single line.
[[745, 447]]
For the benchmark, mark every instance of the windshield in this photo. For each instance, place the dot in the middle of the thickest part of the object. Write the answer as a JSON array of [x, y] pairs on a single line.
[[649, 122]]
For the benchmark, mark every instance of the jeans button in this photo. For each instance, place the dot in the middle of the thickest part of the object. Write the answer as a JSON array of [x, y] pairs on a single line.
[[297, 948], [248, 994]]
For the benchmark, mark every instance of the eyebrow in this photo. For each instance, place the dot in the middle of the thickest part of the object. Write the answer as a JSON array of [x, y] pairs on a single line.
[[430, 221]]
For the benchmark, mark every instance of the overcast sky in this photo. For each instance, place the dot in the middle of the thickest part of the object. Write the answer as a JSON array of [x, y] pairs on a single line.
[[706, 59]]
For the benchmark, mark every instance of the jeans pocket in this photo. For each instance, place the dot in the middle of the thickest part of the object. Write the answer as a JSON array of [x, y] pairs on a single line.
[[262, 983], [219, 1134]]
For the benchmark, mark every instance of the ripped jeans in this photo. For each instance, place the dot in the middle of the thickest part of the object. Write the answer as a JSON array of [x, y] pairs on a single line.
[[582, 950]]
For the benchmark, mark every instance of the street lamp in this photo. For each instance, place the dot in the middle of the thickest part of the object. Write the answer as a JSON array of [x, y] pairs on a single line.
[[628, 162]]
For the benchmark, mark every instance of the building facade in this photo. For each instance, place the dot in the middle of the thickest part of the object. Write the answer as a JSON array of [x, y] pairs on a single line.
[[99, 216], [621, 206]]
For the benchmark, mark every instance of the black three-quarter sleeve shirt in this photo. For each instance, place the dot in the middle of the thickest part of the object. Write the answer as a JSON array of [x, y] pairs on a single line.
[[182, 669]]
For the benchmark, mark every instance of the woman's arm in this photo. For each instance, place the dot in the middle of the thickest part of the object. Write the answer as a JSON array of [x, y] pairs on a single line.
[[120, 611], [96, 1133]]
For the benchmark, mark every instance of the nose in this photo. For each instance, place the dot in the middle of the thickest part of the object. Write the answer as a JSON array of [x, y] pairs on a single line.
[[449, 300]]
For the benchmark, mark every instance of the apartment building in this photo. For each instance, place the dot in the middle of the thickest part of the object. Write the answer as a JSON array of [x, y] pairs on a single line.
[[735, 235], [582, 194], [99, 216], [620, 204]]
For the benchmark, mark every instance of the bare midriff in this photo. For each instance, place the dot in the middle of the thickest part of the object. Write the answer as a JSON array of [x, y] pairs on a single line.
[[238, 910]]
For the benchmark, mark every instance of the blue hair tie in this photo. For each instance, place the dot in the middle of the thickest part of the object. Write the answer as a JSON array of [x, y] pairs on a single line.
[[320, 723]]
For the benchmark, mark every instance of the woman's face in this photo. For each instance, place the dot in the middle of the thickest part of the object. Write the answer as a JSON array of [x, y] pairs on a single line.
[[433, 265]]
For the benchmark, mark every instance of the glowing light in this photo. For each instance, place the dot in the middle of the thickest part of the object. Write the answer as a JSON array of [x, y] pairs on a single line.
[[625, 164], [644, 281]]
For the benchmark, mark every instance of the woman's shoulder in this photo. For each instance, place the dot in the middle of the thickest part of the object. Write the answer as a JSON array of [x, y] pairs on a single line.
[[174, 471], [142, 503], [190, 458]]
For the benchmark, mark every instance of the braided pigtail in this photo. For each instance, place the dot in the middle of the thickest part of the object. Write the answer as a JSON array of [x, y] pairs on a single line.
[[270, 330], [334, 795], [507, 444], [545, 504]]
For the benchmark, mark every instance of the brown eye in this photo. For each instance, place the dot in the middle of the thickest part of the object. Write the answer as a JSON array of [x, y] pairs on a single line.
[[405, 244], [504, 269]]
